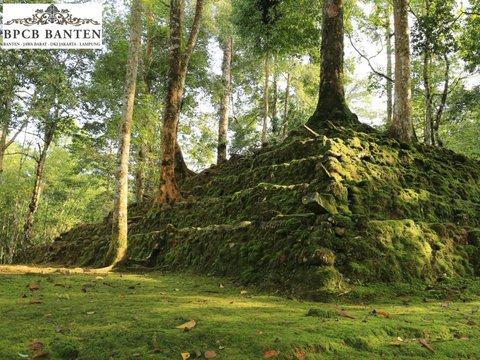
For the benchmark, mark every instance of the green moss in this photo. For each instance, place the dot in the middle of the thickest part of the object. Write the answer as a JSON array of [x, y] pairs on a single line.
[[319, 214], [135, 316]]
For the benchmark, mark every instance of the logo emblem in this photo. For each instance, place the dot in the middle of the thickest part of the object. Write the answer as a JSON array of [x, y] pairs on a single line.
[[52, 16], [52, 26]]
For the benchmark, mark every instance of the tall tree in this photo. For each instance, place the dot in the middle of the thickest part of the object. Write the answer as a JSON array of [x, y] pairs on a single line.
[[266, 99], [389, 48], [179, 58], [331, 104], [118, 245], [50, 104], [227, 48], [401, 127]]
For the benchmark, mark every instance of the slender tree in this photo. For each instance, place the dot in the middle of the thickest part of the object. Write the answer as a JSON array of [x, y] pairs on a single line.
[[179, 58], [118, 245], [389, 48], [266, 100], [401, 127], [50, 126], [285, 105], [227, 47], [331, 104]]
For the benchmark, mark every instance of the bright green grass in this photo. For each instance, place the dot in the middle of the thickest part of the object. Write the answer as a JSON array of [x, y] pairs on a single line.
[[133, 320]]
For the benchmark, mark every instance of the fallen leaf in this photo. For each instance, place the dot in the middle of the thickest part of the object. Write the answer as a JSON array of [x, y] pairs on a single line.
[[37, 345], [210, 354], [384, 314], [185, 356], [425, 344], [39, 355], [33, 302], [33, 287], [91, 312], [271, 354], [395, 343], [299, 353], [189, 325], [344, 314], [23, 355]]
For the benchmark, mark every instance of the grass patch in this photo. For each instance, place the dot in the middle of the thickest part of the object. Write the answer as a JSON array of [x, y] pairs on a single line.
[[127, 316]]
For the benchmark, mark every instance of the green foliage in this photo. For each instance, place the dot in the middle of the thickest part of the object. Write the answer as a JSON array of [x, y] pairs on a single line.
[[462, 129], [470, 37], [278, 27]]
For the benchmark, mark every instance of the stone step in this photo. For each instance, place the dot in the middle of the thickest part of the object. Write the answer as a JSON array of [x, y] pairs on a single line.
[[261, 202]]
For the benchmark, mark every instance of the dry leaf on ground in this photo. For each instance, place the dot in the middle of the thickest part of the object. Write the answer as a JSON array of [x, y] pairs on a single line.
[[270, 354], [299, 353], [189, 325], [37, 345], [426, 345], [210, 354], [40, 355], [344, 314]]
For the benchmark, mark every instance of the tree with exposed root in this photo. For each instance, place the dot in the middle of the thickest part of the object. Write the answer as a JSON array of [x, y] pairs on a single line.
[[179, 58], [401, 126], [332, 105]]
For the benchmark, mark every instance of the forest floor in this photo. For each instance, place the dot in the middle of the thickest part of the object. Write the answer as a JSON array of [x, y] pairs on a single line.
[[61, 314]]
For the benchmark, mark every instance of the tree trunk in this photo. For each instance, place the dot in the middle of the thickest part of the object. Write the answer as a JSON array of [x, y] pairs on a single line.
[[428, 96], [402, 124], [118, 245], [285, 106], [178, 65], [331, 104], [3, 148], [181, 169], [443, 101], [266, 85], [37, 191], [275, 99], [5, 123], [428, 129], [227, 47], [388, 35], [140, 177]]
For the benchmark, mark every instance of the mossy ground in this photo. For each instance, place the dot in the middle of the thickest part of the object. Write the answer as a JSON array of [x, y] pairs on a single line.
[[314, 214], [134, 316]]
